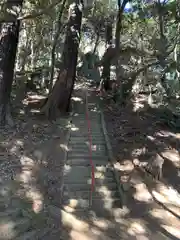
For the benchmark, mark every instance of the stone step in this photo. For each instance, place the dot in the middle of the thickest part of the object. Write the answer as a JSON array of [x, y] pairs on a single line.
[[84, 172], [84, 123], [86, 138], [85, 147], [85, 130], [98, 181], [102, 193], [83, 117], [37, 234], [94, 141], [86, 187], [86, 162], [85, 134], [81, 219], [97, 212], [10, 230], [107, 203], [15, 212], [85, 156], [28, 235]]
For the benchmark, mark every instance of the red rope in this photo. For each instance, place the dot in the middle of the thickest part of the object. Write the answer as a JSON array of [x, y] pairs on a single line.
[[90, 148]]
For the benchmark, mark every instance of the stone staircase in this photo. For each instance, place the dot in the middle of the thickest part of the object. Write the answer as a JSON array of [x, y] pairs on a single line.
[[18, 219], [106, 202]]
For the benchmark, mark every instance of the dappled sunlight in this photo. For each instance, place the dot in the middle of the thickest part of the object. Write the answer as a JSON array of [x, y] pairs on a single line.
[[142, 194], [26, 161], [166, 194], [137, 106], [137, 228], [17, 145], [74, 203], [165, 217], [65, 147], [174, 231], [35, 196], [7, 229], [173, 156], [74, 128], [67, 169], [77, 99], [71, 221]]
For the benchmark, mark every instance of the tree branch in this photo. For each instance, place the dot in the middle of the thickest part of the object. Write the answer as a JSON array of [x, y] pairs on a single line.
[[41, 12]]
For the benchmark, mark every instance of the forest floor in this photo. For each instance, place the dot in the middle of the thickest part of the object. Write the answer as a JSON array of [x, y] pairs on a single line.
[[154, 206], [31, 161], [33, 153]]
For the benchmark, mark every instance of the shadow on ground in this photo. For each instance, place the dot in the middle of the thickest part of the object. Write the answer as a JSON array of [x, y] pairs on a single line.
[[141, 135], [31, 163], [31, 182]]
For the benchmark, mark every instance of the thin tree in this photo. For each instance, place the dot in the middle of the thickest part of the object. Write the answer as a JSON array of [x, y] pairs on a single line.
[[9, 34]]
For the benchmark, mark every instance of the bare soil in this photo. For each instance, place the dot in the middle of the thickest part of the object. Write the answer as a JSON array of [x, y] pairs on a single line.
[[31, 161], [153, 206]]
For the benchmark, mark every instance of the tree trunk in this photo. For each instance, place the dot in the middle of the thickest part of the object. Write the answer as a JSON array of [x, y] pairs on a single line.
[[118, 29], [59, 97], [55, 43], [107, 63], [8, 46]]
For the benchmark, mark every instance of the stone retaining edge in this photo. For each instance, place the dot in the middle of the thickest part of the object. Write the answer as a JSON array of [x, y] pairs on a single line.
[[111, 158]]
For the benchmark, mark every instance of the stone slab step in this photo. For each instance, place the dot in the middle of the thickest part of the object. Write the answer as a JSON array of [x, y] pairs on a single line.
[[91, 213], [83, 117], [84, 172], [15, 212], [102, 193], [68, 220], [81, 220], [107, 203], [28, 235], [85, 147], [85, 134], [37, 234], [85, 150], [94, 141], [86, 187], [98, 181], [86, 162], [96, 156], [86, 138], [84, 124]]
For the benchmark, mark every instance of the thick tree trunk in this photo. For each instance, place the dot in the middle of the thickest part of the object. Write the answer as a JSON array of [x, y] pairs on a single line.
[[8, 46], [59, 97], [56, 37], [107, 63], [119, 18]]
